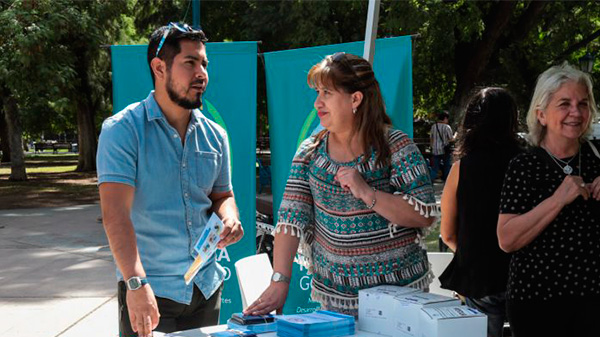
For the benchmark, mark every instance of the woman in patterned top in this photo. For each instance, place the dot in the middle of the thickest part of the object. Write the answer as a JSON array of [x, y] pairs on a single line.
[[550, 213], [356, 199]]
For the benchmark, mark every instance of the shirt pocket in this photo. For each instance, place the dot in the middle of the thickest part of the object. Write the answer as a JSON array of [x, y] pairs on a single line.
[[207, 164]]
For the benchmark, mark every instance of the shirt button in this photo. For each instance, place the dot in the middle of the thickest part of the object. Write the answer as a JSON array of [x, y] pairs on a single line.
[[175, 135], [186, 195], [184, 165], [189, 223]]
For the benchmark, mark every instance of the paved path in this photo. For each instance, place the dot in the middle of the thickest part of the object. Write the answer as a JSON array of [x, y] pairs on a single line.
[[56, 274]]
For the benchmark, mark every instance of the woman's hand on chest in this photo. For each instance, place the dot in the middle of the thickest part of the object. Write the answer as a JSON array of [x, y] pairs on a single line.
[[350, 179]]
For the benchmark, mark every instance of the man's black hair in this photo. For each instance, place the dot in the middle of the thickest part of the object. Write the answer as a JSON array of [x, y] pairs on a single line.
[[171, 46], [443, 115]]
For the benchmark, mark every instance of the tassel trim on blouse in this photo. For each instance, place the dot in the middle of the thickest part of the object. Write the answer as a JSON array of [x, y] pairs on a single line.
[[294, 230], [346, 303], [425, 209], [331, 301], [423, 282]]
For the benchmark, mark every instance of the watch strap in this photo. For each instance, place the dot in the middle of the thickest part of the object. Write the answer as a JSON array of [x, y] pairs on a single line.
[[136, 282], [279, 277]]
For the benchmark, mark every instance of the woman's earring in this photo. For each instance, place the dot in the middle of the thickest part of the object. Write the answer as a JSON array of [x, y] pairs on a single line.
[[354, 111]]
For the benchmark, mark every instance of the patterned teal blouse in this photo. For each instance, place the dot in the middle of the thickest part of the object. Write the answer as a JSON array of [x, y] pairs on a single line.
[[344, 244]]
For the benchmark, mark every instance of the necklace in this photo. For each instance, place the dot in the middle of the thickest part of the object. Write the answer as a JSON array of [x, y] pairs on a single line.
[[567, 169]]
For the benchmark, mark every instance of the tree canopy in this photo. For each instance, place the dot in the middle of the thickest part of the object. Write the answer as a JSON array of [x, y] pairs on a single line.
[[53, 66], [56, 71]]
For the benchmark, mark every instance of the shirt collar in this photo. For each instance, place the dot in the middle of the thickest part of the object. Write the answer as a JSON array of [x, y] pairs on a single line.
[[198, 115], [153, 110]]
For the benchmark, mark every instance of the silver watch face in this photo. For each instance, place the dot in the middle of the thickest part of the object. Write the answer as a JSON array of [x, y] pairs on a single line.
[[134, 283], [278, 277]]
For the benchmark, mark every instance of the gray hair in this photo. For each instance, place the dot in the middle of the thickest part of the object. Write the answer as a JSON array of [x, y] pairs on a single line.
[[548, 83]]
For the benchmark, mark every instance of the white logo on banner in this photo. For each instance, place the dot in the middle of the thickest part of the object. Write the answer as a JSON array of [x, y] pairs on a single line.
[[223, 254]]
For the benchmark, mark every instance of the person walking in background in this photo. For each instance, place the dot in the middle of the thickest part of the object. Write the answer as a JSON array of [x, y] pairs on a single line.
[[162, 169], [487, 141], [550, 213], [441, 138], [357, 196]]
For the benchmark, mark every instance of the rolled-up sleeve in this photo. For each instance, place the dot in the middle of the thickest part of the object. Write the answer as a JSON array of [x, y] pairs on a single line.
[[116, 159]]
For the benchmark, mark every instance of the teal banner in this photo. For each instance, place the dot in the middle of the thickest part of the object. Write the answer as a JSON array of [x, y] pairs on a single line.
[[292, 117], [230, 100]]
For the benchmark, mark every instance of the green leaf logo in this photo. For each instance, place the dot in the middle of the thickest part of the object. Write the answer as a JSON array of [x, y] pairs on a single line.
[[304, 132], [219, 120]]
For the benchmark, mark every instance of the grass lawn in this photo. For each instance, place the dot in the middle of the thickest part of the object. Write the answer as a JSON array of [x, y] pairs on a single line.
[[52, 182], [42, 169], [431, 240]]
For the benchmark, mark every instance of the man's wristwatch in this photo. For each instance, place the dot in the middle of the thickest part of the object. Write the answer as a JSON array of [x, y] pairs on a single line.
[[136, 282], [279, 277]]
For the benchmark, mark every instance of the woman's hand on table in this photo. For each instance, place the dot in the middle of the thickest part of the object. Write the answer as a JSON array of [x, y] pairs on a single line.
[[271, 299]]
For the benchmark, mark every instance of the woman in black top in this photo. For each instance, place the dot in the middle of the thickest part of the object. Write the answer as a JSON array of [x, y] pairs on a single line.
[[550, 213], [487, 141]]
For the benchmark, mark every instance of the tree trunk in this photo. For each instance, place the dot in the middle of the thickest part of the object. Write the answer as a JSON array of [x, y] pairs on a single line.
[[86, 130], [86, 114], [472, 59], [17, 163], [4, 143], [527, 21]]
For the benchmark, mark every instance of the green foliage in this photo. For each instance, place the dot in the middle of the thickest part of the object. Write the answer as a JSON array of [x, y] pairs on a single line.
[[51, 49], [450, 31], [447, 33]]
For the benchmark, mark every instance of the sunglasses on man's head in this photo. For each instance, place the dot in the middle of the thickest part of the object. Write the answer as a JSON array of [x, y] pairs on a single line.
[[182, 28]]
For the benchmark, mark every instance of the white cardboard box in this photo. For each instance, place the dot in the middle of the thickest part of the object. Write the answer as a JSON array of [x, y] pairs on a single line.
[[453, 321], [376, 308], [407, 316]]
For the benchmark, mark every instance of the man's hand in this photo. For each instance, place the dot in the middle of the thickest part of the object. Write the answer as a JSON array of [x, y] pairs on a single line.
[[232, 232], [143, 310], [224, 206]]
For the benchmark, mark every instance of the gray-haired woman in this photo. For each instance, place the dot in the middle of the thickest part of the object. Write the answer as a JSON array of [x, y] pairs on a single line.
[[550, 213]]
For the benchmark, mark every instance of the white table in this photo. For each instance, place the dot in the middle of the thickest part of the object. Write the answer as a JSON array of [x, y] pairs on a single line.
[[203, 332]]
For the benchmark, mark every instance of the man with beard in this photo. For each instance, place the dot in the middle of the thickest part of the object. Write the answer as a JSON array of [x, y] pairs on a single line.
[[163, 168]]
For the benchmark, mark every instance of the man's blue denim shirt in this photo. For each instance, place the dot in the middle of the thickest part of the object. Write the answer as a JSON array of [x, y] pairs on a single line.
[[172, 182]]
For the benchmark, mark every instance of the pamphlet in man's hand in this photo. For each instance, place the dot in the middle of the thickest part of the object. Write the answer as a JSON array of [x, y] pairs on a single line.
[[205, 246]]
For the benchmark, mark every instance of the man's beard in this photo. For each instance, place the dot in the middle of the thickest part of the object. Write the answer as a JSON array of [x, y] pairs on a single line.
[[183, 101]]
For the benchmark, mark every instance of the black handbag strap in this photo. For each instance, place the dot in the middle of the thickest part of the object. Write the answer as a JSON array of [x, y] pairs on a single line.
[[437, 127]]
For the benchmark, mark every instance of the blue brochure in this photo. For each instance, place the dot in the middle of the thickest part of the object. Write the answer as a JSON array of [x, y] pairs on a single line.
[[234, 333], [317, 324]]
